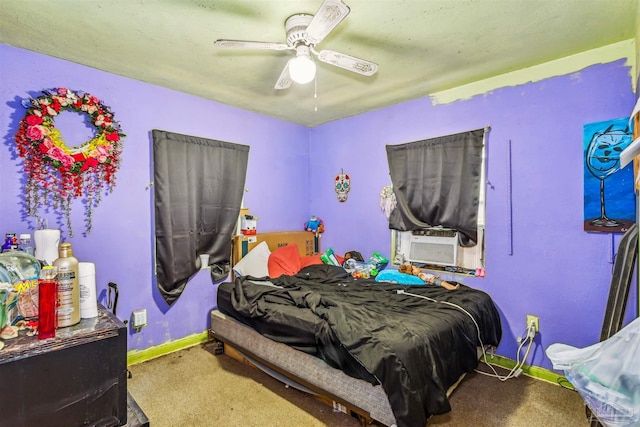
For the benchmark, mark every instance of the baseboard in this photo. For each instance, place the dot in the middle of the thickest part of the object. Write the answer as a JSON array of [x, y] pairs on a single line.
[[531, 371], [137, 356]]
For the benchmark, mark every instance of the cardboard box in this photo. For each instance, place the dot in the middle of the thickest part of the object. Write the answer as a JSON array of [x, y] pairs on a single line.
[[307, 242]]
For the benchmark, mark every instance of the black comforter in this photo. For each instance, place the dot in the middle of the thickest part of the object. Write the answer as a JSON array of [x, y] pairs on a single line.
[[416, 348]]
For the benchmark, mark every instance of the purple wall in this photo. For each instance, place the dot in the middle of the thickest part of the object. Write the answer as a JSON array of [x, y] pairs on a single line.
[[557, 271], [122, 238]]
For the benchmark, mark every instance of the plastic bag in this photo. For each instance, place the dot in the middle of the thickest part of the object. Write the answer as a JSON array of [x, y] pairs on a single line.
[[360, 270], [329, 257], [378, 260], [21, 271], [606, 374]]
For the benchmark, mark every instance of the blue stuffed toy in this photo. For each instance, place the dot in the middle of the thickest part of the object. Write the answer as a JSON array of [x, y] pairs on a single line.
[[315, 225]]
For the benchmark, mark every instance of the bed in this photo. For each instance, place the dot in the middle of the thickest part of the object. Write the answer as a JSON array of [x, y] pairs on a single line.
[[387, 352]]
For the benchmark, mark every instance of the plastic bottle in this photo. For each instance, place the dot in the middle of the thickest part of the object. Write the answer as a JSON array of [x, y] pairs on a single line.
[[25, 243], [10, 242], [48, 302], [68, 287]]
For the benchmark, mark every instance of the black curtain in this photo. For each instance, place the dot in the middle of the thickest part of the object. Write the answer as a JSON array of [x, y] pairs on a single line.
[[198, 187], [437, 183]]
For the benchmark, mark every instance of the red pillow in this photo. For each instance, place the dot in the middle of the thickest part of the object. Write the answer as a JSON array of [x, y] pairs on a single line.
[[284, 260], [310, 260]]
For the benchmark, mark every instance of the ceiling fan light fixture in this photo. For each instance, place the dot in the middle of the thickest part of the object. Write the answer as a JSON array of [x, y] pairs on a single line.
[[304, 32], [302, 68]]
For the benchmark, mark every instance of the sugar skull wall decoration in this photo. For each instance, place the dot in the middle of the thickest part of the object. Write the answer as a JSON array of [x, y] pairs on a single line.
[[343, 185]]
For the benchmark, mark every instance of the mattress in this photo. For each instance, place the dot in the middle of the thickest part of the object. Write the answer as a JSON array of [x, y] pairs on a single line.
[[298, 334], [296, 328], [415, 342]]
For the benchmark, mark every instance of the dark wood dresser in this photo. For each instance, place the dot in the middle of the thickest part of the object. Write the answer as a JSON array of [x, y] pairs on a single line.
[[78, 378]]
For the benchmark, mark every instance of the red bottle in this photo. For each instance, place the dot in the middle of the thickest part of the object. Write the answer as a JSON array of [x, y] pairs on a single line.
[[48, 302]]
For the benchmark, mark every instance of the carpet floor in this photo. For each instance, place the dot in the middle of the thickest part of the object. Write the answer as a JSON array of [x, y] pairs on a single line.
[[194, 388]]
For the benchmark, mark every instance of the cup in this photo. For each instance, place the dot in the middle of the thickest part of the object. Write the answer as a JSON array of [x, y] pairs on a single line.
[[204, 261]]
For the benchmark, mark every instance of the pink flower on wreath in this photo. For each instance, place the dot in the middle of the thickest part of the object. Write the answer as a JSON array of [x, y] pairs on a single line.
[[101, 153], [35, 133], [57, 153]]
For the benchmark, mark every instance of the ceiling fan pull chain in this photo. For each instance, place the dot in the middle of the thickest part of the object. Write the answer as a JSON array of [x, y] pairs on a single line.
[[315, 92]]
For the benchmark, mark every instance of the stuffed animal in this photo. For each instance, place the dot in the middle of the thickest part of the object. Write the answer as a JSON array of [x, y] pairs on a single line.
[[426, 277], [315, 225], [409, 269]]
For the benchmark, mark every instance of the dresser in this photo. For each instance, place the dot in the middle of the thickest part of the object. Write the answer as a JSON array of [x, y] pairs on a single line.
[[78, 378]]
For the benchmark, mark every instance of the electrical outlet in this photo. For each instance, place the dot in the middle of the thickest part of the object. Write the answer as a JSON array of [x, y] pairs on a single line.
[[139, 318], [535, 320]]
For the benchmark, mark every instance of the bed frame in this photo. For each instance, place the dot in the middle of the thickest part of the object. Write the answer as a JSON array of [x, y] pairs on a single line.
[[292, 367], [307, 373]]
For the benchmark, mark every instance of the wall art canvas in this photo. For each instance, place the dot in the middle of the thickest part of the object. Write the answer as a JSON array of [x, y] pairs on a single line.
[[609, 198]]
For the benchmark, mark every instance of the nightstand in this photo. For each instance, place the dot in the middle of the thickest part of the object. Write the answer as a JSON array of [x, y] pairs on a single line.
[[77, 378]]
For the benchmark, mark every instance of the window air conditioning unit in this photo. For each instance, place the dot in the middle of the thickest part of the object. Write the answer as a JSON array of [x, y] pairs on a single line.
[[437, 246]]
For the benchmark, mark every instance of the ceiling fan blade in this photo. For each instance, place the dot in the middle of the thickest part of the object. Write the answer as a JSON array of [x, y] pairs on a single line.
[[351, 63], [330, 14], [284, 81], [245, 44]]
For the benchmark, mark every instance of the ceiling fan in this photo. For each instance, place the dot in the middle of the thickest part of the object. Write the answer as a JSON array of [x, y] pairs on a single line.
[[304, 32]]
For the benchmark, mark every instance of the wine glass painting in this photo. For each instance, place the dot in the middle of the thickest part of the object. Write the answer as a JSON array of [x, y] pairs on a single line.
[[609, 198]]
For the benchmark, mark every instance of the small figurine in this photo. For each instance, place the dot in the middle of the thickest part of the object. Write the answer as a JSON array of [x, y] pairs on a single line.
[[8, 244], [314, 225]]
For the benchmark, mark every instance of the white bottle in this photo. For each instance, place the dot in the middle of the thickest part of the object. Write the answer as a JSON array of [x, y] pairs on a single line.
[[68, 287], [25, 243]]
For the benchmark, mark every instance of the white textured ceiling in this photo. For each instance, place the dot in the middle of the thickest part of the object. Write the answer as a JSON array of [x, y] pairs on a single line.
[[421, 46]]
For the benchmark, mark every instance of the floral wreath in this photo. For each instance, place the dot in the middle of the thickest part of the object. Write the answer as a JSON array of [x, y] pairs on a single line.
[[57, 173]]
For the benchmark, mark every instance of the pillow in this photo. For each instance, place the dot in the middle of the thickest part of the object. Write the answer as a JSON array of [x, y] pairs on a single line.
[[255, 263], [310, 260], [284, 260], [394, 276]]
